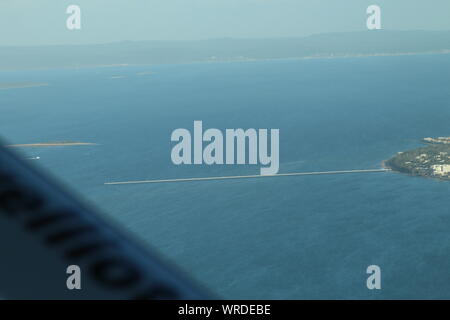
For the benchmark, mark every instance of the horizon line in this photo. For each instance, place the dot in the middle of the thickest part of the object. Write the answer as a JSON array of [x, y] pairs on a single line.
[[218, 38]]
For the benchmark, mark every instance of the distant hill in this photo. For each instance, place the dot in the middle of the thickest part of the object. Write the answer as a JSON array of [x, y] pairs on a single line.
[[160, 52]]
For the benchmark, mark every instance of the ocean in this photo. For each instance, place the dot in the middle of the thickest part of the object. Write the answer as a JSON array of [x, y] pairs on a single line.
[[302, 237]]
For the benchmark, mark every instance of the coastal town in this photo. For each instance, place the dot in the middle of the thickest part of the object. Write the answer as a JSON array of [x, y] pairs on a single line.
[[431, 161]]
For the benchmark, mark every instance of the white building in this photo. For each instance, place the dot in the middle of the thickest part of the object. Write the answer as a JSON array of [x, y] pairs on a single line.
[[441, 169]]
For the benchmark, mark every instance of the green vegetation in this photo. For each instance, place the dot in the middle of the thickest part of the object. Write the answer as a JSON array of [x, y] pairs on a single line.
[[431, 161]]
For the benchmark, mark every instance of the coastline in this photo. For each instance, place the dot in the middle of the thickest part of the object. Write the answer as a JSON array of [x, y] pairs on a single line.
[[21, 85], [237, 60], [385, 164], [50, 144]]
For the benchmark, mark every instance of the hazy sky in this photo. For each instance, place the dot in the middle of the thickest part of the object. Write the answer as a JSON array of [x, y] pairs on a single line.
[[35, 22]]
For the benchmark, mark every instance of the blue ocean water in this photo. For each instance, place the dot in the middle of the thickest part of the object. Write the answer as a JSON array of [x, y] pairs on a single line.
[[290, 237]]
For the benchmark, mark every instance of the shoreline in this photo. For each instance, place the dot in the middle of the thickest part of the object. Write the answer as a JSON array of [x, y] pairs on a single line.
[[22, 85], [389, 164], [313, 57], [51, 144]]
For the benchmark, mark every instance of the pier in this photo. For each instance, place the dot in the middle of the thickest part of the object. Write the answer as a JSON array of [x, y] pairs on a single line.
[[248, 176]]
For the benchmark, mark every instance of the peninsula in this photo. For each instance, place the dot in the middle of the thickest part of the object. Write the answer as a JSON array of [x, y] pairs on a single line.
[[432, 160]]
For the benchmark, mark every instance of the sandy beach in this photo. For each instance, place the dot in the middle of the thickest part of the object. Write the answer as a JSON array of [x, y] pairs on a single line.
[[51, 144]]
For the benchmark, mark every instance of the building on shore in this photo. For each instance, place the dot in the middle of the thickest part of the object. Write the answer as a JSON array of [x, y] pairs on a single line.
[[441, 169]]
